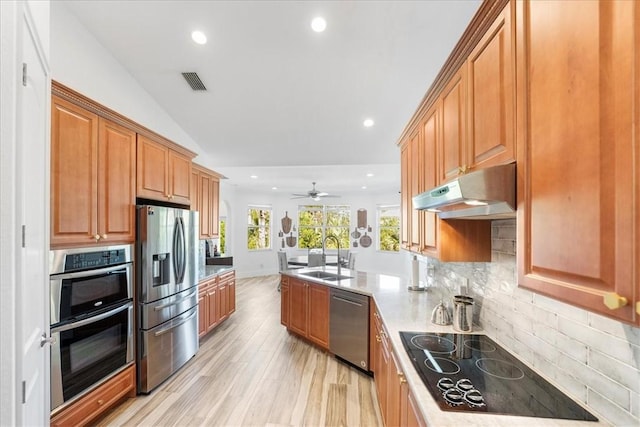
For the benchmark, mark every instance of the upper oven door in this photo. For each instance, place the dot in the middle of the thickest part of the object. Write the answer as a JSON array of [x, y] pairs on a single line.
[[79, 294]]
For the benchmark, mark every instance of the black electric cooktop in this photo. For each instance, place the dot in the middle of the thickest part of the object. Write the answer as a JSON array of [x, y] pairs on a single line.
[[472, 373]]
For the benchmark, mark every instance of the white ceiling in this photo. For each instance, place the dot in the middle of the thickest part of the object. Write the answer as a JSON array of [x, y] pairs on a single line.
[[283, 102]]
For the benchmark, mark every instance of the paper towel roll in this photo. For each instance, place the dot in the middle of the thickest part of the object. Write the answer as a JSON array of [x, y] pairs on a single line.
[[415, 271]]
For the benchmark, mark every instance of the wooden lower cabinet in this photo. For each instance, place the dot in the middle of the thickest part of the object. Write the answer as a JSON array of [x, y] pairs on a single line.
[[308, 311], [284, 301], [216, 301], [397, 404], [99, 400]]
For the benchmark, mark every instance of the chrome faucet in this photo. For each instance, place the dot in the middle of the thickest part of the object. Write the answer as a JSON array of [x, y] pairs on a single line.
[[338, 243]]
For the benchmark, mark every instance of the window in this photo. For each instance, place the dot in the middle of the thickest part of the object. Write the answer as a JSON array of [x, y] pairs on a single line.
[[389, 228], [315, 222], [259, 228], [223, 234]]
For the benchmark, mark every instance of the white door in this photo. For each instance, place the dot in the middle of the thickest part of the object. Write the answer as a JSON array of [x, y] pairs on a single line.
[[32, 203]]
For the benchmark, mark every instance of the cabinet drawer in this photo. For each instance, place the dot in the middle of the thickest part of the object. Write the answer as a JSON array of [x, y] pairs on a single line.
[[96, 402]]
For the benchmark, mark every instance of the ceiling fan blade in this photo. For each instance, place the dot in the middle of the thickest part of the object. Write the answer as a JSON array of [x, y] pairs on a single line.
[[299, 196], [321, 194], [330, 195]]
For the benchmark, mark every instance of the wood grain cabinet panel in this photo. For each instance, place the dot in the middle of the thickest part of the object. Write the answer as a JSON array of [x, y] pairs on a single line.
[[162, 173], [98, 401], [491, 99], [415, 186], [207, 199], [452, 153], [405, 198], [307, 311], [578, 152], [216, 301], [92, 178], [284, 301], [429, 163]]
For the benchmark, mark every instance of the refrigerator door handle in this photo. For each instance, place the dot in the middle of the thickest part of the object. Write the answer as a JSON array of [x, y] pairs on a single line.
[[179, 248]]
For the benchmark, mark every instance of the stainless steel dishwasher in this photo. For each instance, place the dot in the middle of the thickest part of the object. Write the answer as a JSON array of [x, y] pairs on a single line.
[[349, 327]]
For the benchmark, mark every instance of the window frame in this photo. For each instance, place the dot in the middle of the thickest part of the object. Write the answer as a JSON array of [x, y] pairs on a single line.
[[380, 227], [267, 228], [343, 236]]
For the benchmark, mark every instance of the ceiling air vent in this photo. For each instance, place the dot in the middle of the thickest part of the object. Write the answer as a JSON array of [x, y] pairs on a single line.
[[194, 81]]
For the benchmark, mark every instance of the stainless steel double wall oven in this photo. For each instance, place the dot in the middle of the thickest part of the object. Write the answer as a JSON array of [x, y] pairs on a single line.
[[92, 321]]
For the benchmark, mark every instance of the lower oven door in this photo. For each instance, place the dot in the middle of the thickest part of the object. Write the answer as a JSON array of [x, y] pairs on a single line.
[[165, 348], [88, 351]]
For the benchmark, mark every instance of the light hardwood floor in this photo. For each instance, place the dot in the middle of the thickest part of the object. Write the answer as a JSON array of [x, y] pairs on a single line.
[[251, 372]]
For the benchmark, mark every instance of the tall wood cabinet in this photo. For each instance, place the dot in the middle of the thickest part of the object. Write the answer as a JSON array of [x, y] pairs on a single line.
[[206, 200], [164, 173], [92, 178], [578, 127]]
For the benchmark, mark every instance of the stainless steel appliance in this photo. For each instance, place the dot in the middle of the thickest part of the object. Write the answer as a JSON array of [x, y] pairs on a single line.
[[167, 279], [488, 193], [468, 372], [91, 292], [349, 327]]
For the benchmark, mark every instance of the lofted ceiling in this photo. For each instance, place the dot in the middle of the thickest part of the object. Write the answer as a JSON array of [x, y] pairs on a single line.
[[284, 103]]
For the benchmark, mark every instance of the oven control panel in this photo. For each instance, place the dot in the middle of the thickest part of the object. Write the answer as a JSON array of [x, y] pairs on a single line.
[[85, 260]]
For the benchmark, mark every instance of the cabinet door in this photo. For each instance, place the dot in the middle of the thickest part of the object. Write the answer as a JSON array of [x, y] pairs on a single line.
[[413, 416], [203, 310], [406, 204], [179, 178], [223, 300], [74, 174], [284, 301], [213, 317], [116, 180], [452, 150], [298, 307], [318, 331], [415, 187], [491, 101], [429, 220], [382, 373], [204, 205], [195, 181], [232, 295], [576, 120], [393, 391], [215, 207], [152, 162]]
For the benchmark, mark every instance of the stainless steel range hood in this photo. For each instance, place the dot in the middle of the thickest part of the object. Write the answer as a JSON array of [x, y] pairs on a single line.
[[483, 194]]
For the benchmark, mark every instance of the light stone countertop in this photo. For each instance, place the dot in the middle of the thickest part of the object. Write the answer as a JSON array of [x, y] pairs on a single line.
[[403, 310], [208, 271]]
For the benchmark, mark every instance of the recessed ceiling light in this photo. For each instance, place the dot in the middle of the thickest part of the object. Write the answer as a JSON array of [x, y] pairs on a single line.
[[368, 123], [254, 176], [274, 188], [369, 174], [364, 187], [318, 24], [199, 37]]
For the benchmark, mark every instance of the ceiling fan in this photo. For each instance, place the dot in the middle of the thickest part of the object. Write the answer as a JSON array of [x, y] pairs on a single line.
[[312, 194]]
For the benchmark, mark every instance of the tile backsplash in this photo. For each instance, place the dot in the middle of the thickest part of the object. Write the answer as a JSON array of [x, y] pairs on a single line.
[[593, 358]]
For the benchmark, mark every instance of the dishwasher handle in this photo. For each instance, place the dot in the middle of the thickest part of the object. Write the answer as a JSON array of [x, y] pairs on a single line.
[[347, 301]]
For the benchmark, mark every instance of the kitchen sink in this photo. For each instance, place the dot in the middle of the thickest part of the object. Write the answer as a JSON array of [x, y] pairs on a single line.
[[325, 275]]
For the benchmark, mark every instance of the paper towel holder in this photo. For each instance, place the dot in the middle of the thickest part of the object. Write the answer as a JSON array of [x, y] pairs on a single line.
[[415, 282]]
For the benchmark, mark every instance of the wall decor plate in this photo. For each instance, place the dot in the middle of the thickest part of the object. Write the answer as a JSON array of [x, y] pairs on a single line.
[[286, 223], [365, 241]]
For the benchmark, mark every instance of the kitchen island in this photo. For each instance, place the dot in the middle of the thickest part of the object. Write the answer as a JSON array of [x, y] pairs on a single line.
[[402, 310]]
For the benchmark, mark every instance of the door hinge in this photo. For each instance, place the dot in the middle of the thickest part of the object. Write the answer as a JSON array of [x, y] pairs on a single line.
[[24, 227], [24, 74], [24, 392]]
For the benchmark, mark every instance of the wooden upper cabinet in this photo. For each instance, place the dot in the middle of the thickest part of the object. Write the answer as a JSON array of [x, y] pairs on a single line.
[[578, 164], [415, 186], [207, 193], [429, 220], [405, 198], [491, 95], [163, 173], [92, 178], [452, 155]]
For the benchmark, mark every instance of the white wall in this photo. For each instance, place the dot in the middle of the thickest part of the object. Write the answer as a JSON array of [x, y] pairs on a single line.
[[80, 62], [257, 263]]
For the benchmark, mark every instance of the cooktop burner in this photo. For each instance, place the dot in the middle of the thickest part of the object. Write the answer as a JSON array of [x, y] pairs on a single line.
[[473, 373]]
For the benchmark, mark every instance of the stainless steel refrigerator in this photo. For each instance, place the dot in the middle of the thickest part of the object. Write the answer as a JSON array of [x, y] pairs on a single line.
[[167, 292]]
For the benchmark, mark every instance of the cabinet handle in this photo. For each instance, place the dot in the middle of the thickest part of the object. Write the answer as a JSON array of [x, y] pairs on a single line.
[[100, 401], [462, 169], [96, 237], [638, 307], [614, 301], [378, 338], [403, 380], [104, 236]]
